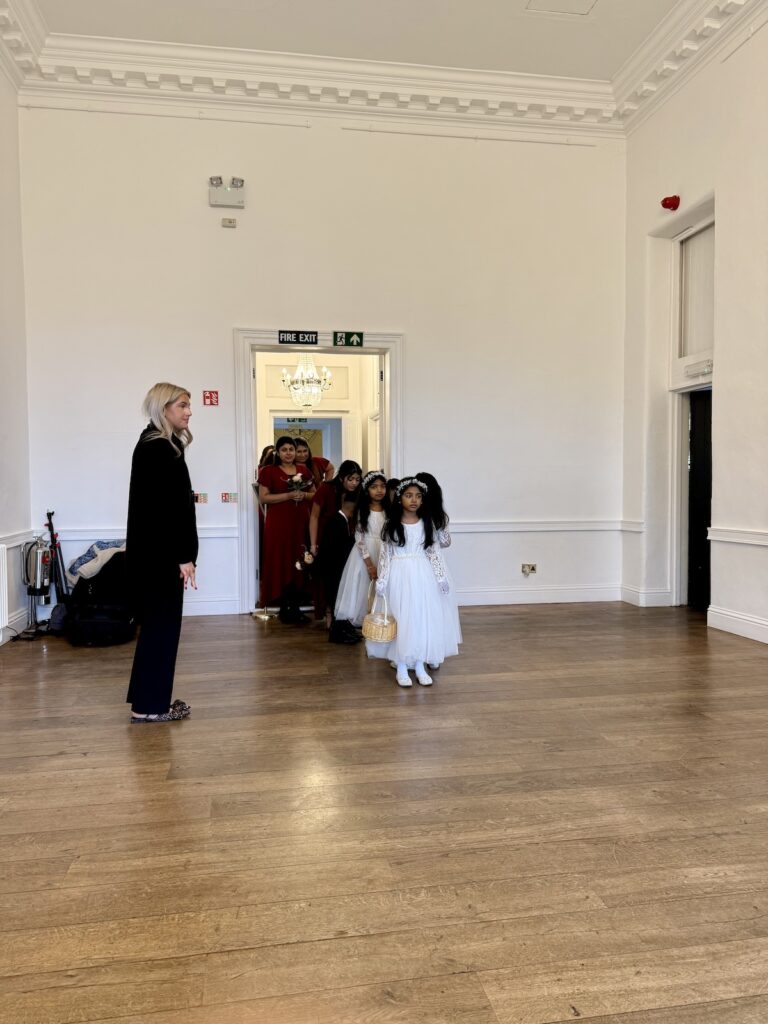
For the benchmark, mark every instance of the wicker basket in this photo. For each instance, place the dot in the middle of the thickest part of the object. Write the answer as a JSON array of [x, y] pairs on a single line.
[[379, 626]]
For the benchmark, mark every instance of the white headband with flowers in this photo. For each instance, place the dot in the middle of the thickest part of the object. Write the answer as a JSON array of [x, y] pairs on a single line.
[[371, 476], [411, 481]]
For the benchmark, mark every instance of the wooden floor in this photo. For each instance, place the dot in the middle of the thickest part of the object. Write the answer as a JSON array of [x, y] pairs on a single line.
[[571, 825]]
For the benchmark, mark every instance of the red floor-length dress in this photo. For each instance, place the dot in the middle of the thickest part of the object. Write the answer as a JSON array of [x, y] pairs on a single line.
[[286, 535]]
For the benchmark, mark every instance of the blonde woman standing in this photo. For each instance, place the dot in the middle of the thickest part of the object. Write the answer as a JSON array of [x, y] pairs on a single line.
[[161, 550]]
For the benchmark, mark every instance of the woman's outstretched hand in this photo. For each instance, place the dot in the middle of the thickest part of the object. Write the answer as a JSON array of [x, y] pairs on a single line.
[[187, 573]]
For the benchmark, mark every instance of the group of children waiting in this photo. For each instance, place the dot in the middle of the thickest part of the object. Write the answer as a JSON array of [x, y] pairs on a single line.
[[367, 534]]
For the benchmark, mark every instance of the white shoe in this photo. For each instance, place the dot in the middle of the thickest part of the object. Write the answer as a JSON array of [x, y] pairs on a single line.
[[393, 664], [423, 679], [403, 680], [433, 667]]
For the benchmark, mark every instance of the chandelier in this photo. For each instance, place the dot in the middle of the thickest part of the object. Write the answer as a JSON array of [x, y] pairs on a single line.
[[305, 384]]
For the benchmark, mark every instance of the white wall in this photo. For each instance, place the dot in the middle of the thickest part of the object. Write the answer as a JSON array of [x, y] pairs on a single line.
[[500, 262], [14, 446], [708, 137]]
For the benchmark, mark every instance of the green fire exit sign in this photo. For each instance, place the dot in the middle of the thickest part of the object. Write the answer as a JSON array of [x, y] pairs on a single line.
[[348, 339]]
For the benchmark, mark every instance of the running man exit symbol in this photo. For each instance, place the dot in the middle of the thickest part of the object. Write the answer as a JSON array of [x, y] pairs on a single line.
[[348, 339], [210, 398]]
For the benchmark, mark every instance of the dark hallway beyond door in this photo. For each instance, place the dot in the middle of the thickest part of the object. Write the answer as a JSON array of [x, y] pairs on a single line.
[[699, 498]]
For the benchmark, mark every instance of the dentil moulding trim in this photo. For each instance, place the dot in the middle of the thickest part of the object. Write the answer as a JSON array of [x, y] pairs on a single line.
[[89, 72], [22, 33], [682, 44], [208, 79]]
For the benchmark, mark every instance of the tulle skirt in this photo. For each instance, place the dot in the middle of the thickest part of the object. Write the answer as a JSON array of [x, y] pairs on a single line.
[[352, 599], [428, 627]]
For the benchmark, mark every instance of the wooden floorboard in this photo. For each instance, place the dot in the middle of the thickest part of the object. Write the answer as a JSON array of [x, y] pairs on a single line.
[[571, 825]]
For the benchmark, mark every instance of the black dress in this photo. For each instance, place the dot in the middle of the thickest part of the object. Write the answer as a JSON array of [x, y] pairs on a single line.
[[338, 540], [161, 536]]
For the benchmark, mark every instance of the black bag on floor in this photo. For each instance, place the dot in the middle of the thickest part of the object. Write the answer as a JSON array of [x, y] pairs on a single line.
[[57, 624], [99, 615]]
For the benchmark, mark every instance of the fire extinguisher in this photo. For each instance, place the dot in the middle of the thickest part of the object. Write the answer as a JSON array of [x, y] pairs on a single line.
[[36, 569]]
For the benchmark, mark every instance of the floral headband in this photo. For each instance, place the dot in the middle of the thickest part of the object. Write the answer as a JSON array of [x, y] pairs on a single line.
[[410, 481], [371, 476]]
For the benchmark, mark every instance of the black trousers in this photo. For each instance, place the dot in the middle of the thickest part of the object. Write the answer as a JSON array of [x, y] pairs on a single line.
[[154, 662]]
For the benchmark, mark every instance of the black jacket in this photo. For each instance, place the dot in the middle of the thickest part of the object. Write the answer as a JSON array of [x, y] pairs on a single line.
[[162, 532]]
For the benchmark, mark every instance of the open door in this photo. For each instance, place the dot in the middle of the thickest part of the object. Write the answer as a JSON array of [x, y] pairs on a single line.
[[699, 498]]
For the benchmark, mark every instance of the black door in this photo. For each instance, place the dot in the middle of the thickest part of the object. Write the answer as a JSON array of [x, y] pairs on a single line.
[[699, 499]]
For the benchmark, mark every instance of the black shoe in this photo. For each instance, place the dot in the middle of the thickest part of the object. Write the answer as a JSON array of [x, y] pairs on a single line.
[[339, 636], [348, 628], [290, 616]]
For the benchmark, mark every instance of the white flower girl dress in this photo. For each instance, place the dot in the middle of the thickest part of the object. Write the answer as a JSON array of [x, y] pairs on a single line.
[[352, 599], [421, 599]]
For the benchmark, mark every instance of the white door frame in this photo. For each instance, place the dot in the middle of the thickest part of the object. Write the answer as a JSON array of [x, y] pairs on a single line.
[[250, 340]]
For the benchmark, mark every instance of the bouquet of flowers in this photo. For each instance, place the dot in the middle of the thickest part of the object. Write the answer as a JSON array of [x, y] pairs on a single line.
[[298, 482], [305, 561]]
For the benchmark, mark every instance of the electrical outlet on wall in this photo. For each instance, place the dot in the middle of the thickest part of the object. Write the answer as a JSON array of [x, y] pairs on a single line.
[[527, 568]]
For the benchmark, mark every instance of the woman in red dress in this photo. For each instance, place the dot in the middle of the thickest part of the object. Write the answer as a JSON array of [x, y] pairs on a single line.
[[320, 468], [286, 500]]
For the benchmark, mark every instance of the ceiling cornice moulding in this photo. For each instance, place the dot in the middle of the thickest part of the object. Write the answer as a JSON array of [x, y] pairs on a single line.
[[79, 70], [22, 34], [94, 73], [684, 42]]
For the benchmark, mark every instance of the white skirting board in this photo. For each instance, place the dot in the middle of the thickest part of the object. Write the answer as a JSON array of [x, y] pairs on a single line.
[[210, 606], [538, 594], [750, 626], [17, 622], [4, 597], [646, 598]]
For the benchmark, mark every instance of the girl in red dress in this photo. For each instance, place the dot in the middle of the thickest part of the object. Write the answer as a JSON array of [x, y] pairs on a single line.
[[325, 504], [286, 491]]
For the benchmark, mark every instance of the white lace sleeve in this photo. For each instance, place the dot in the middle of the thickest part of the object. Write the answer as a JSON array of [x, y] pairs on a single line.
[[382, 573], [438, 568], [361, 542], [444, 538]]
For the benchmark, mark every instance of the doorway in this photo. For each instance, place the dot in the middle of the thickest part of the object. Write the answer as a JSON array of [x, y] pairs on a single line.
[[371, 433], [699, 498], [347, 423], [322, 434]]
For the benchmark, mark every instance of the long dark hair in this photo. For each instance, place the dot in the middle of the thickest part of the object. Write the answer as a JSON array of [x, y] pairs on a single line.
[[394, 528], [265, 459], [317, 476], [433, 500], [347, 468], [364, 502]]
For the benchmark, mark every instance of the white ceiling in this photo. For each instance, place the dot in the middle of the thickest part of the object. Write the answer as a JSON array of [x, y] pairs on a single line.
[[523, 36]]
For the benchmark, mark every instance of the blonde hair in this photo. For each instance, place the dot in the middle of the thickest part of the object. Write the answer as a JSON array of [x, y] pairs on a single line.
[[155, 402]]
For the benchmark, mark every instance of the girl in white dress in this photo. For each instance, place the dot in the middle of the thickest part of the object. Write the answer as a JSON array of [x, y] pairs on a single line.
[[352, 600], [412, 575]]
